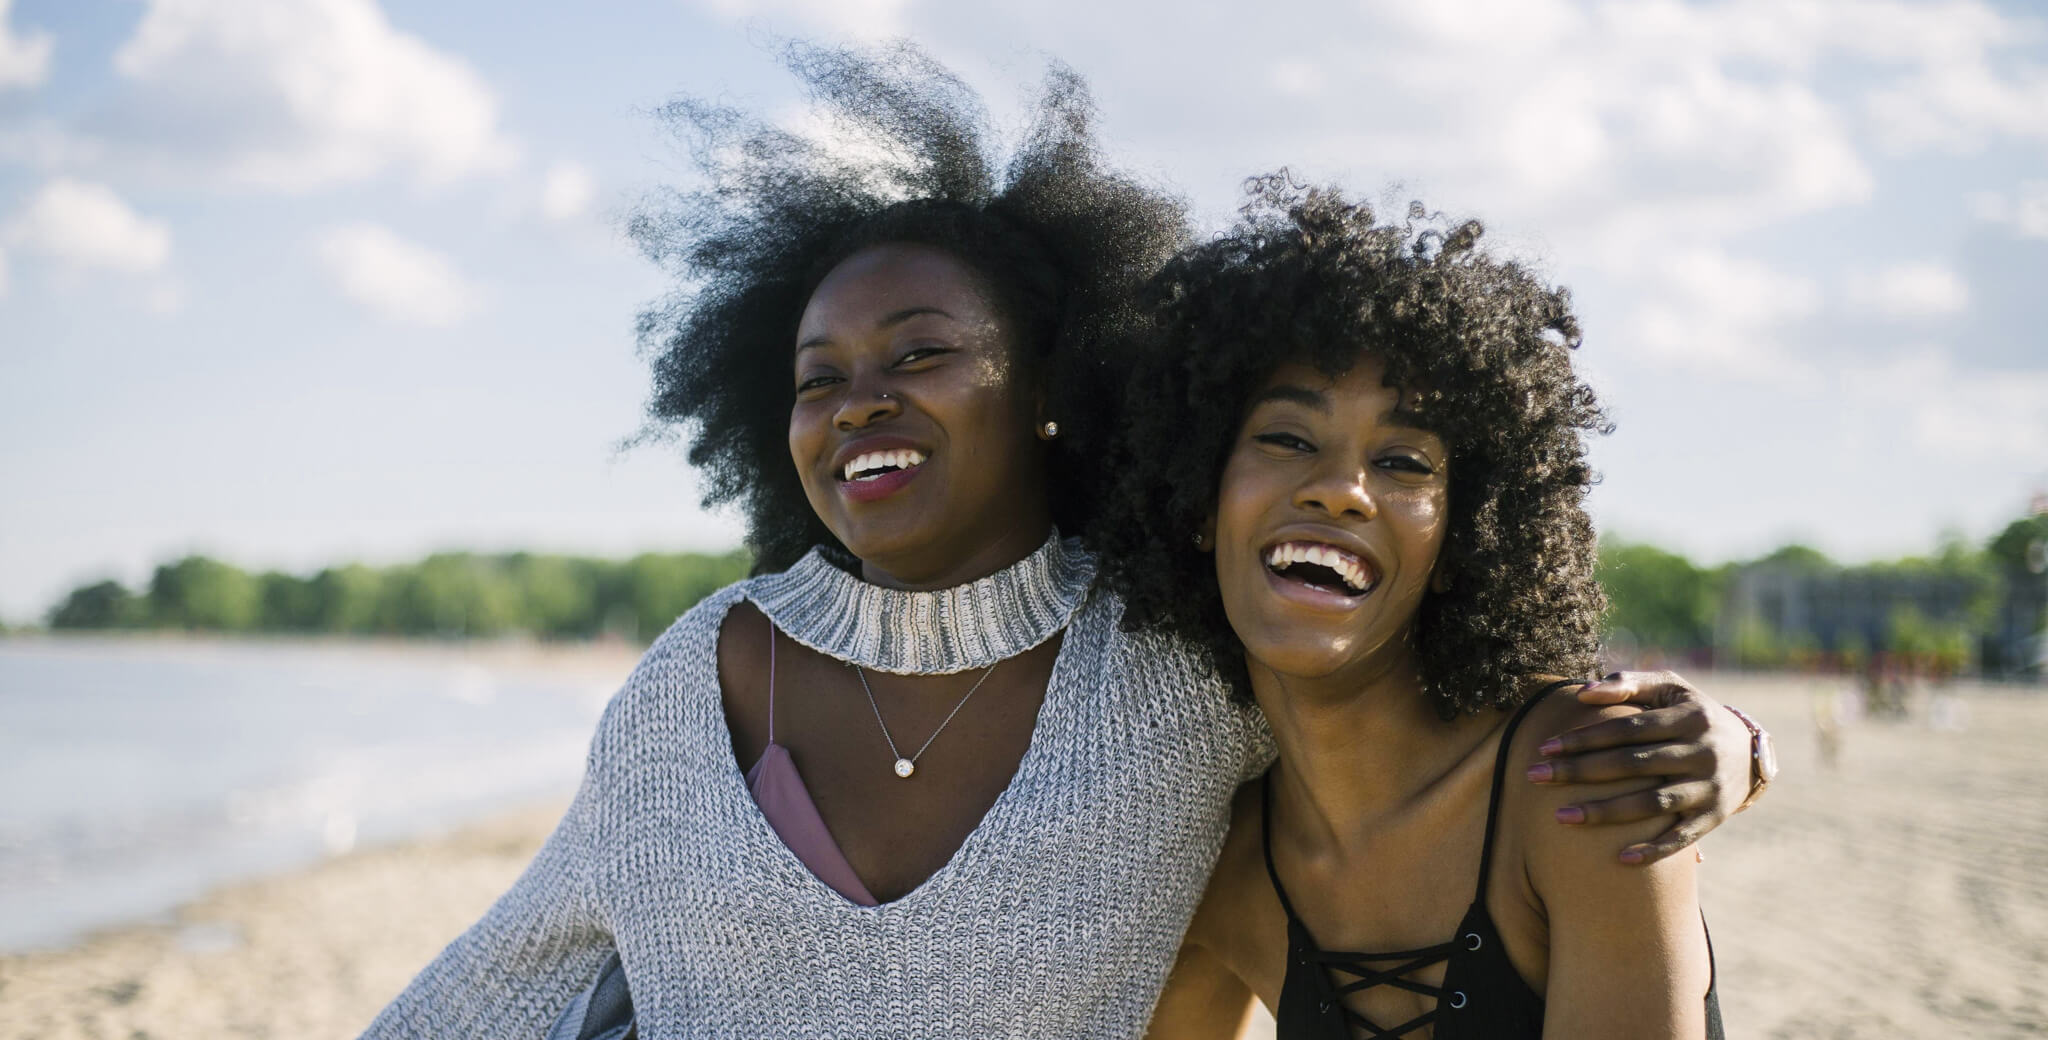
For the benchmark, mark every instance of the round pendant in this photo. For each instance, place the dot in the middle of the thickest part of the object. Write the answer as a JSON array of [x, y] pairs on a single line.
[[904, 767]]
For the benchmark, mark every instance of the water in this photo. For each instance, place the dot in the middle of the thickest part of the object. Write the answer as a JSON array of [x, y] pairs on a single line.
[[135, 776]]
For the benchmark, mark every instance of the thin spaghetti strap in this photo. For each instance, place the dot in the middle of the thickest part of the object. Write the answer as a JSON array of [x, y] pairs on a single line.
[[771, 682], [1500, 770], [1266, 840]]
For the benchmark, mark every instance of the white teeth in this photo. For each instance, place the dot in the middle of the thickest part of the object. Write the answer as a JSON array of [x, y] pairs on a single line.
[[902, 458], [1348, 567]]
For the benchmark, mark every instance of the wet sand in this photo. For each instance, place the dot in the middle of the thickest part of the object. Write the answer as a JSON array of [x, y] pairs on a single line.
[[306, 955], [1903, 892]]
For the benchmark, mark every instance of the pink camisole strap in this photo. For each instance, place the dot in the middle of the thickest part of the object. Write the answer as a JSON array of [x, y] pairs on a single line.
[[779, 791]]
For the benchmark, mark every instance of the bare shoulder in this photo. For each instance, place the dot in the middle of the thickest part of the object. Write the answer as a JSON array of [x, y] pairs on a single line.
[[1617, 950], [743, 646], [742, 641], [1532, 808], [1558, 711]]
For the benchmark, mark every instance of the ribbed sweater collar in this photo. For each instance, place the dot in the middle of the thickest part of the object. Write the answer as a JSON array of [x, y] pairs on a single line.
[[967, 626]]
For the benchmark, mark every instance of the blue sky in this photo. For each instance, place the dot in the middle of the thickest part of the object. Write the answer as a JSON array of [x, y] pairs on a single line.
[[301, 281]]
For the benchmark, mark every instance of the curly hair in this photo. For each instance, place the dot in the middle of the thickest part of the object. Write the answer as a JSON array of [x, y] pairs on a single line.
[[1060, 243], [1307, 276]]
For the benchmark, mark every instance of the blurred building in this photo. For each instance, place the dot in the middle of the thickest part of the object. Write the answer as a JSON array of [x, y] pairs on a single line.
[[2016, 646], [1960, 611]]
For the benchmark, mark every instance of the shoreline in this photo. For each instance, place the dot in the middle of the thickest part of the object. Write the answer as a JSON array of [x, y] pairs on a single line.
[[308, 953], [153, 769]]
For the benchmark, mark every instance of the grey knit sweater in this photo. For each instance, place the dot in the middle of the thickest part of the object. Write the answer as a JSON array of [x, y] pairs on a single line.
[[1058, 917]]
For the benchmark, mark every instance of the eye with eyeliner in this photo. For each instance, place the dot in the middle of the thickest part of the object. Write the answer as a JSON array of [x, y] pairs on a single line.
[[1406, 464], [1284, 441], [922, 352], [815, 382]]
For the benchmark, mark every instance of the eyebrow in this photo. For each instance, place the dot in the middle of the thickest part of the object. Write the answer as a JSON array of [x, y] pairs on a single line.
[[1318, 401], [890, 319], [1300, 395]]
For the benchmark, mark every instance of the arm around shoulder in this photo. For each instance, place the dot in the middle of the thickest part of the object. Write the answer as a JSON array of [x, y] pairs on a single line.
[[1627, 950]]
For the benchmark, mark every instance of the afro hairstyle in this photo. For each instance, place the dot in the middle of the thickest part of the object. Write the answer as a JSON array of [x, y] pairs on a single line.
[[905, 156], [1308, 276]]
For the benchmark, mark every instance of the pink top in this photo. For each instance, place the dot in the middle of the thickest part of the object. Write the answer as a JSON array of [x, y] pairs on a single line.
[[786, 803]]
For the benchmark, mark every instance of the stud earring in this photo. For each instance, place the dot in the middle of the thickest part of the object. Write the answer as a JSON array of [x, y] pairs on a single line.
[[1050, 429]]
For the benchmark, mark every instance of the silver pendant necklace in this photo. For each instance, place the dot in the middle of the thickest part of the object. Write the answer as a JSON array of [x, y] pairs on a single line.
[[907, 766]]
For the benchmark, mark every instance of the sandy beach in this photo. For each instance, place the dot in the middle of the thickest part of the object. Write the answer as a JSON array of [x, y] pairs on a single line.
[[1899, 893]]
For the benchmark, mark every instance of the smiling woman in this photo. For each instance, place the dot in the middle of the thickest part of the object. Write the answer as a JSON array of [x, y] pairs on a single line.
[[1285, 488], [1521, 532], [1393, 547], [910, 399], [911, 779]]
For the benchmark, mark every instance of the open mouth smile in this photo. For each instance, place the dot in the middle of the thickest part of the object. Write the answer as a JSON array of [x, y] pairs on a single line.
[[873, 465], [1323, 568], [877, 473]]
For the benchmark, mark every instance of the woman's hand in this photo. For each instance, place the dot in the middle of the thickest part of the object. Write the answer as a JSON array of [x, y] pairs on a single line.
[[1697, 752]]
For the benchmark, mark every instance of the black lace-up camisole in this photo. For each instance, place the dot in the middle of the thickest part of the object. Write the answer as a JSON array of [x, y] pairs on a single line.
[[1482, 996]]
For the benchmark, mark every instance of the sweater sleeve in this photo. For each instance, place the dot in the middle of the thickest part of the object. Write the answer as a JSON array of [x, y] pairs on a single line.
[[512, 973]]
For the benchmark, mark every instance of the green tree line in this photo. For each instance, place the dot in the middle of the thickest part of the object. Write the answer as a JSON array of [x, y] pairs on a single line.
[[1954, 606], [447, 595]]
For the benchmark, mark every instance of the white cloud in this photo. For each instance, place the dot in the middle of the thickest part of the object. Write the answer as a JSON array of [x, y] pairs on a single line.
[[1707, 311], [42, 143], [1946, 410], [1933, 70], [86, 225], [1618, 127], [164, 299], [3, 275], [866, 19], [293, 94], [399, 280], [2026, 210], [1957, 95], [1295, 76], [24, 60], [567, 191], [1910, 291]]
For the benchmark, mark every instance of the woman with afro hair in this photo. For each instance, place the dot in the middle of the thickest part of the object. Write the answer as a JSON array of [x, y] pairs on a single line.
[[913, 777], [1353, 471]]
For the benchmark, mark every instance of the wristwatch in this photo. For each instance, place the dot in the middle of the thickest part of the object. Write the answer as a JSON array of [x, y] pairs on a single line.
[[1763, 758]]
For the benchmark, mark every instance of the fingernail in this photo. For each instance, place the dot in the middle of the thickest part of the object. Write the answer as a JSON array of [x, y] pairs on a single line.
[[1572, 814], [1594, 685], [1631, 856], [1540, 773], [1551, 746]]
